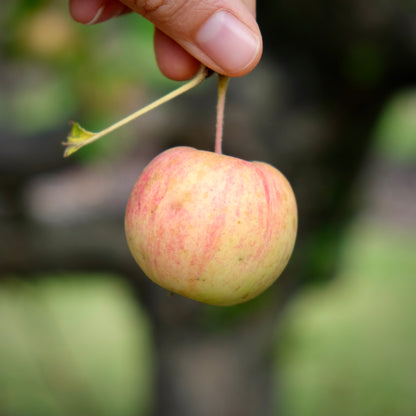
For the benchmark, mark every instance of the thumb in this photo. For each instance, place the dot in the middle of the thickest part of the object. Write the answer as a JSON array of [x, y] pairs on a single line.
[[222, 34]]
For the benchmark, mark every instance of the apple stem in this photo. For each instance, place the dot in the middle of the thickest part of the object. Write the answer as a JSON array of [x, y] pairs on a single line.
[[222, 90], [202, 74], [74, 144]]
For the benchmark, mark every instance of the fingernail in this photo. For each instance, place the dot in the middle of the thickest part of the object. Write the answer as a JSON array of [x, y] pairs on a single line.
[[97, 16], [228, 42]]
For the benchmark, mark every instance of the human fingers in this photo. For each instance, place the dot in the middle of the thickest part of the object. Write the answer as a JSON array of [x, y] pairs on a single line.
[[222, 34], [95, 11], [173, 61]]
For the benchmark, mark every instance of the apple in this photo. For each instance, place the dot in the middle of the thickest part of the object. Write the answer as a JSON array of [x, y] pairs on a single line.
[[208, 226], [211, 227]]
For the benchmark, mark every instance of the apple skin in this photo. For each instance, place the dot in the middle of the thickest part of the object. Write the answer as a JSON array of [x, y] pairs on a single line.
[[211, 227]]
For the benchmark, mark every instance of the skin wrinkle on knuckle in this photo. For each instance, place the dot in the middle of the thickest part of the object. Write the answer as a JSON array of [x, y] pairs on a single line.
[[161, 11], [147, 7], [177, 18]]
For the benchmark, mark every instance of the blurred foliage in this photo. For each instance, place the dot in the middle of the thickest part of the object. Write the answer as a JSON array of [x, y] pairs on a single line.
[[396, 130], [364, 63], [73, 345], [349, 347], [56, 70]]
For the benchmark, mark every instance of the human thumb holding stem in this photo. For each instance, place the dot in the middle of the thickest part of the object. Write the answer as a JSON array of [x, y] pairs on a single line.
[[221, 34]]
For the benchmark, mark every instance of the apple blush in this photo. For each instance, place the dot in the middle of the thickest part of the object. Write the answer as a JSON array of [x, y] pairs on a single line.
[[211, 227]]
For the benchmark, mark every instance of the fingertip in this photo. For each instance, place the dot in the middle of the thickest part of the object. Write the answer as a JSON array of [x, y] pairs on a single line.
[[95, 11], [84, 11], [173, 61], [233, 46]]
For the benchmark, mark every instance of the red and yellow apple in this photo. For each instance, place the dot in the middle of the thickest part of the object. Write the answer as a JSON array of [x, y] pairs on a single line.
[[211, 227]]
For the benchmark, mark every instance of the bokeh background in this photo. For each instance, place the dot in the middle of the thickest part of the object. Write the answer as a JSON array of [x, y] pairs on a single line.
[[332, 105]]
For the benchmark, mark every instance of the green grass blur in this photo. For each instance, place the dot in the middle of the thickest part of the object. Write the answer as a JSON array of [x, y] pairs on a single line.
[[73, 345], [349, 347]]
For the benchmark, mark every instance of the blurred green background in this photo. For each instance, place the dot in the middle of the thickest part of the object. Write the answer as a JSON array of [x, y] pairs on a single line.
[[81, 330]]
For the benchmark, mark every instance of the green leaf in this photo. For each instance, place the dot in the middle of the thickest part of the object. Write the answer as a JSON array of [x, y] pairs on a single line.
[[77, 138]]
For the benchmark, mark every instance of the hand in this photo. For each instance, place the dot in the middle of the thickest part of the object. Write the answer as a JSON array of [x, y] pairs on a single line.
[[221, 34]]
